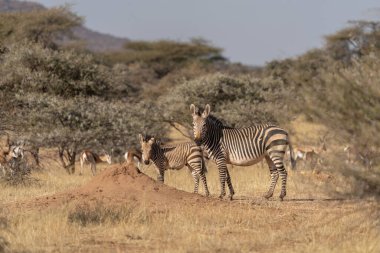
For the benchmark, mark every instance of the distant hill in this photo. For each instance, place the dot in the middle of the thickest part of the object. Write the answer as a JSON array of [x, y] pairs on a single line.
[[99, 42], [95, 41]]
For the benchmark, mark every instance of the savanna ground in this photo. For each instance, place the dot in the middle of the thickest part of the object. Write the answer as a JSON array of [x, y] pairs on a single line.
[[315, 216]]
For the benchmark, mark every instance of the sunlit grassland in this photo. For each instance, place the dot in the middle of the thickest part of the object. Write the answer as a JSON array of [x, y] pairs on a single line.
[[315, 216]]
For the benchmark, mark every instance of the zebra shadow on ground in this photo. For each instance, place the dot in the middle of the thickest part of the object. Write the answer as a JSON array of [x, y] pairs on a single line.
[[262, 199]]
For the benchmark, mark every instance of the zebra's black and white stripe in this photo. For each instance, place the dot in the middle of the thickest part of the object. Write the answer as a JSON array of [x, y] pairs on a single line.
[[242, 146], [175, 157]]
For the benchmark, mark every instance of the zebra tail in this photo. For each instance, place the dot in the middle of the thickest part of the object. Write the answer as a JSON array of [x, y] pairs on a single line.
[[292, 160]]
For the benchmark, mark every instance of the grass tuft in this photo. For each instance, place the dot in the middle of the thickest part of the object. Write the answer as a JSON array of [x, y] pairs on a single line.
[[98, 213]]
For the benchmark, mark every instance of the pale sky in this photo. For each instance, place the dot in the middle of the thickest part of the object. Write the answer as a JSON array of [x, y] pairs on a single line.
[[250, 31]]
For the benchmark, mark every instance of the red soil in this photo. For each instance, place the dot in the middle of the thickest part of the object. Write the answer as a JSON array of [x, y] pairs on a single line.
[[119, 184]]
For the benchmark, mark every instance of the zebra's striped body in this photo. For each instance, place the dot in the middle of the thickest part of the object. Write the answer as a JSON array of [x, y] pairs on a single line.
[[175, 157], [242, 146]]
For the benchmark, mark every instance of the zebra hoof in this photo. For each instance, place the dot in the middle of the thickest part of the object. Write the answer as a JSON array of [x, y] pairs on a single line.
[[282, 196], [231, 197]]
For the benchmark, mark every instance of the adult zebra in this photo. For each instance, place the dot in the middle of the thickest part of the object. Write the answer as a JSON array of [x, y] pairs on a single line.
[[175, 157], [242, 146]]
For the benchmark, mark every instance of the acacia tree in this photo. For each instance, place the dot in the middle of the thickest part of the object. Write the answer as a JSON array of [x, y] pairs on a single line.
[[64, 98], [240, 101], [81, 123], [164, 56], [357, 40], [43, 26]]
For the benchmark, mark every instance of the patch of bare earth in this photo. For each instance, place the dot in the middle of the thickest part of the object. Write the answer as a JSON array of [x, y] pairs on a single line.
[[117, 185]]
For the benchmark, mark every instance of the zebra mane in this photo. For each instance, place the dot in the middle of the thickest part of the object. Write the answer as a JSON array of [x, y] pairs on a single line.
[[159, 143], [217, 121]]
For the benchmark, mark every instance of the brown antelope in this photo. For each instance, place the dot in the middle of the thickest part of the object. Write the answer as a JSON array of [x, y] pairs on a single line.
[[364, 156], [349, 153], [133, 156], [93, 158], [309, 153], [10, 153]]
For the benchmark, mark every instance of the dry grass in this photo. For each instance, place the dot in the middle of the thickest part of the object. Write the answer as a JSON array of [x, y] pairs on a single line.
[[311, 219], [248, 224], [261, 227]]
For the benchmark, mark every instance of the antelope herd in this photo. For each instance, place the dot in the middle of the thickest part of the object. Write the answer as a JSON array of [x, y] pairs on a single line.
[[308, 154]]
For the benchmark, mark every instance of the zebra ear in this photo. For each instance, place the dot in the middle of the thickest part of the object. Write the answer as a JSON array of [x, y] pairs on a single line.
[[141, 137], [192, 108], [206, 111], [151, 141]]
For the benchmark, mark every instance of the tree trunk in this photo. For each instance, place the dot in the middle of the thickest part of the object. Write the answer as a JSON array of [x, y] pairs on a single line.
[[67, 158], [71, 154], [35, 154]]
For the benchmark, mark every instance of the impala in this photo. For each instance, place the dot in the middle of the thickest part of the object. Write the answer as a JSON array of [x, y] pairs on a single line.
[[133, 156], [311, 153], [92, 158], [10, 154]]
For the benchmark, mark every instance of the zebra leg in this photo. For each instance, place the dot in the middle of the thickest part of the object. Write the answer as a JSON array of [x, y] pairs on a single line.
[[204, 181], [198, 173], [230, 187], [196, 180], [284, 177], [161, 175], [273, 176], [222, 167], [279, 163], [203, 178]]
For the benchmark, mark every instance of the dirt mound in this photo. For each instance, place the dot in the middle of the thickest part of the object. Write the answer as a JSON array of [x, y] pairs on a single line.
[[119, 184]]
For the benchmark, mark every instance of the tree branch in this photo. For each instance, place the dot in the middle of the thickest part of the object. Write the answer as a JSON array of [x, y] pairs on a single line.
[[173, 124]]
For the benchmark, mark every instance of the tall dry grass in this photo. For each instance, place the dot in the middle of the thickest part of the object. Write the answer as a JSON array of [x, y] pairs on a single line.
[[259, 227]]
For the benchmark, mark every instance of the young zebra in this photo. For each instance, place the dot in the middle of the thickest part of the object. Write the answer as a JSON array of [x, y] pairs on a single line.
[[242, 146], [175, 157]]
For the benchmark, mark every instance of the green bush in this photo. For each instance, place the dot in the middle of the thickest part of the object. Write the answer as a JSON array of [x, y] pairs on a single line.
[[239, 100], [38, 26], [29, 67]]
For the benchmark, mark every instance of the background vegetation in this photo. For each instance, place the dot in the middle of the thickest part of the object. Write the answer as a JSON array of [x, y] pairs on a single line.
[[62, 96]]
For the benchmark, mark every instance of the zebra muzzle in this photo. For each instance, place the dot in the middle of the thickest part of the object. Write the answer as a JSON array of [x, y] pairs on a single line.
[[197, 138]]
